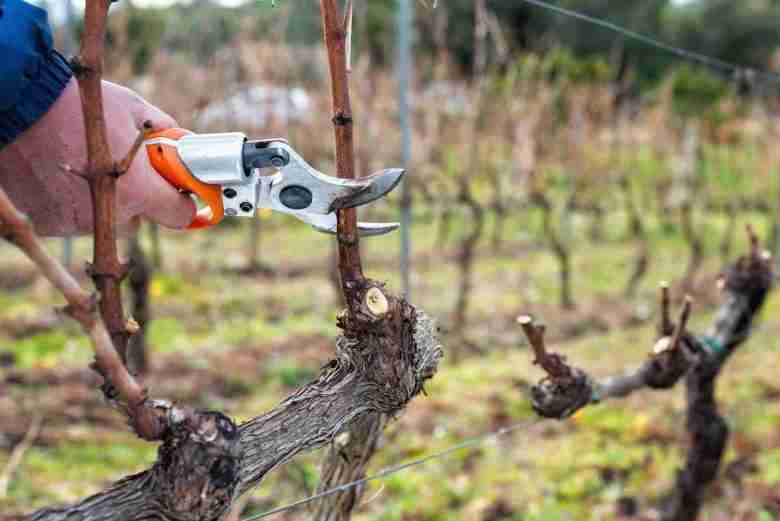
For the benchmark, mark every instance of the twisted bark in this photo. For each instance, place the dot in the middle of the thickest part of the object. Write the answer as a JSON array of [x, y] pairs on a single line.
[[677, 353], [205, 462], [346, 461]]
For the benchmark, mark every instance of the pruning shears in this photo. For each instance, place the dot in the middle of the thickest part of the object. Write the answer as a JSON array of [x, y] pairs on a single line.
[[235, 177]]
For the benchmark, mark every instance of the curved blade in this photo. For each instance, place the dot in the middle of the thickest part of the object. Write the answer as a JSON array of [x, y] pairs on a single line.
[[381, 184], [327, 224]]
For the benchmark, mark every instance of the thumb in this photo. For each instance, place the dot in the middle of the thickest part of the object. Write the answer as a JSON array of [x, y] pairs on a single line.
[[163, 203], [167, 206]]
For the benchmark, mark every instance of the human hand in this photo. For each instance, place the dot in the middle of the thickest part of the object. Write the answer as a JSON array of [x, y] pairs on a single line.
[[57, 201]]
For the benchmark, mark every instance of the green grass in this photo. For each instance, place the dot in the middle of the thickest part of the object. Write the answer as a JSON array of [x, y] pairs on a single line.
[[203, 312]]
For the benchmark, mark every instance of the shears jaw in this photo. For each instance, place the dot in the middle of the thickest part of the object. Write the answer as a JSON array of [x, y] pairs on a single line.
[[298, 187], [327, 224], [371, 188], [366, 190]]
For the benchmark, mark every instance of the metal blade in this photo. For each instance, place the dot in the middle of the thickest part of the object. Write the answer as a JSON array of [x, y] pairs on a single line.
[[327, 224], [381, 184]]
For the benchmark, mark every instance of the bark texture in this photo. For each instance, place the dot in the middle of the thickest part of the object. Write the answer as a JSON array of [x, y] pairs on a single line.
[[346, 461], [677, 354], [205, 462]]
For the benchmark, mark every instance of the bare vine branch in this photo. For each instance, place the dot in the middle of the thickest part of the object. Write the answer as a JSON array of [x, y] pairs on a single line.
[[676, 354], [335, 31], [102, 172], [82, 307]]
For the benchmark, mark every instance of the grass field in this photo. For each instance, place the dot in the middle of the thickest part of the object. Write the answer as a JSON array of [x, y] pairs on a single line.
[[239, 343]]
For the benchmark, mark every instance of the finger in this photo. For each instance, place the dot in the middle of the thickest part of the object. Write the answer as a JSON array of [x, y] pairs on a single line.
[[167, 206]]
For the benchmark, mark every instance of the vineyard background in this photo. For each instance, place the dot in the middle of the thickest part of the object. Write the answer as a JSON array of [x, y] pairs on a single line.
[[559, 184]]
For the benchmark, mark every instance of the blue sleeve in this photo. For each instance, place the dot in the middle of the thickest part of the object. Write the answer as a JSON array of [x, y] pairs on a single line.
[[32, 73]]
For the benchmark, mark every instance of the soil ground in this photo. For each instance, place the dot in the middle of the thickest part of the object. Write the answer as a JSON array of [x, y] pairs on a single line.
[[225, 339]]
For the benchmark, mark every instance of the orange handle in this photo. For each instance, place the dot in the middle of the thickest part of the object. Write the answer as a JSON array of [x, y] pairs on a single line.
[[165, 159]]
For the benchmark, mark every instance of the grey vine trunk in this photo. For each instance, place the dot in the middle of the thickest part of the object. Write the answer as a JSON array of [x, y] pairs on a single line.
[[206, 462]]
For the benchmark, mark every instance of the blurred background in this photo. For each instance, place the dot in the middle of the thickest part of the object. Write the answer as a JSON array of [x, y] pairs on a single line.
[[556, 168]]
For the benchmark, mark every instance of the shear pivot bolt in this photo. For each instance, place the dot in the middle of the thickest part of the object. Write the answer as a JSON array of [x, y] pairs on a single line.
[[246, 206], [296, 197], [278, 161]]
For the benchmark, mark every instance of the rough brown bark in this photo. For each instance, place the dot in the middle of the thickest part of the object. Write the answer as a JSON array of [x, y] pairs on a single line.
[[346, 461], [206, 463], [678, 353], [746, 285], [387, 352]]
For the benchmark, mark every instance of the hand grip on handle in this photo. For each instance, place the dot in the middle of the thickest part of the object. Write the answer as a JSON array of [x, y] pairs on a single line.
[[165, 160]]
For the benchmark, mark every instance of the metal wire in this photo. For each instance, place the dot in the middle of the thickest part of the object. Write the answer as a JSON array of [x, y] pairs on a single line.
[[471, 442], [710, 61], [693, 56]]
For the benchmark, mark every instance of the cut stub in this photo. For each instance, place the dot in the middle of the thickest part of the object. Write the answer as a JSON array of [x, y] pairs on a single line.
[[390, 340], [667, 364]]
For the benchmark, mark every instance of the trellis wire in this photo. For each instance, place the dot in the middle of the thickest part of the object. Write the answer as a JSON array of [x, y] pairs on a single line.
[[404, 43], [693, 56], [389, 471]]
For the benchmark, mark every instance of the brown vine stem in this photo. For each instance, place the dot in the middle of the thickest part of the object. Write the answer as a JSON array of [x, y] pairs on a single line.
[[679, 329], [17, 229], [102, 173], [348, 457], [552, 363], [336, 33], [665, 325]]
